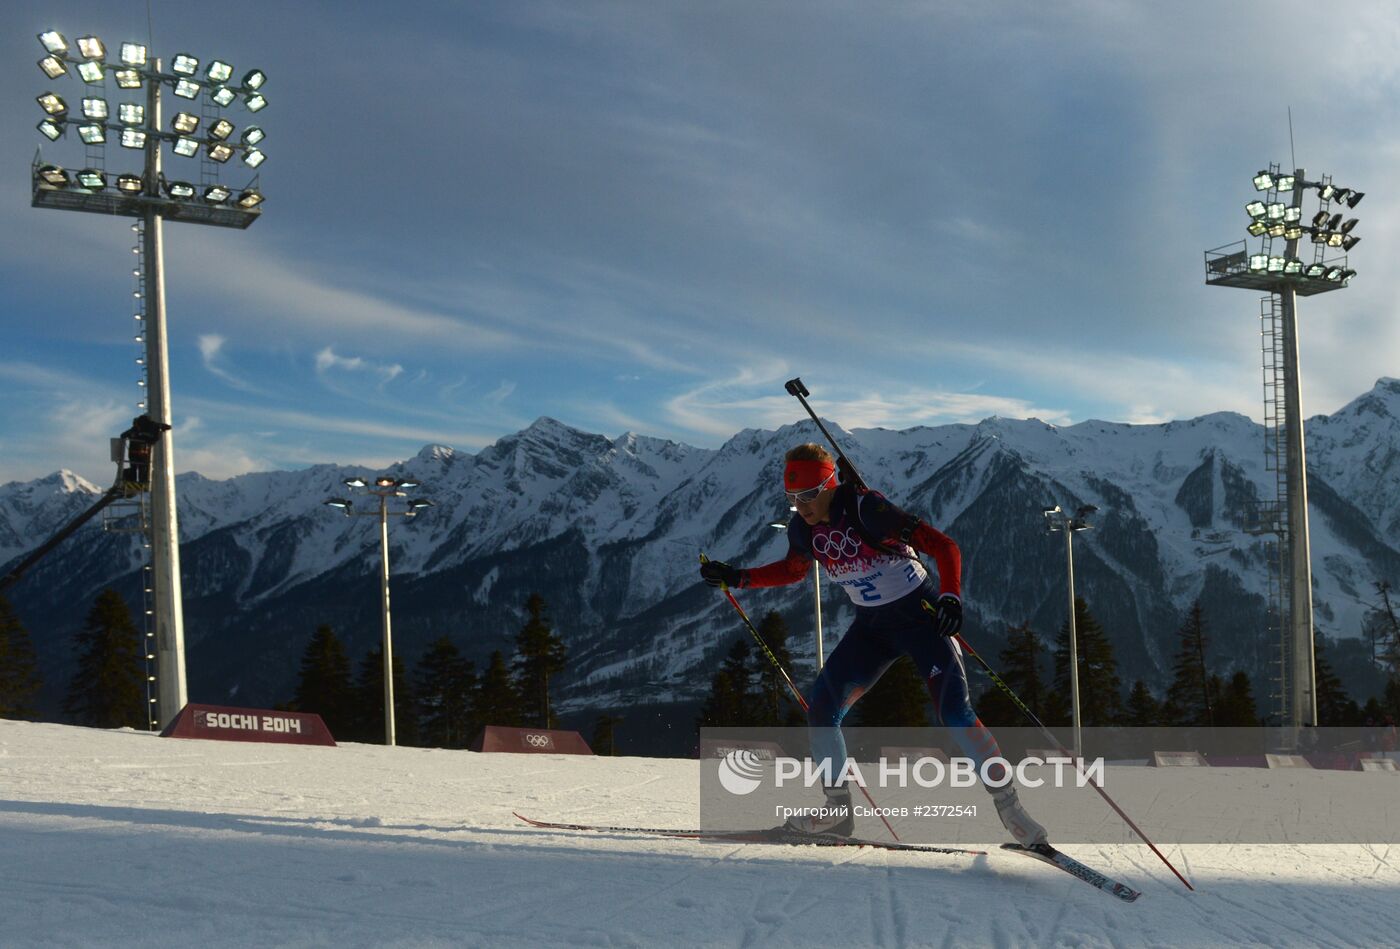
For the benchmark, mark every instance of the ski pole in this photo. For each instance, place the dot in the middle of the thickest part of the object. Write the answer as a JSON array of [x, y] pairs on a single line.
[[796, 388], [1000, 683], [797, 694]]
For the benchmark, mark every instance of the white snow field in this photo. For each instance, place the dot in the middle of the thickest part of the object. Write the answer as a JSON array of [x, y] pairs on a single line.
[[121, 838]]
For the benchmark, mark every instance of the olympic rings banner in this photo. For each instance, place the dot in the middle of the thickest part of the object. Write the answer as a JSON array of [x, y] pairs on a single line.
[[531, 741]]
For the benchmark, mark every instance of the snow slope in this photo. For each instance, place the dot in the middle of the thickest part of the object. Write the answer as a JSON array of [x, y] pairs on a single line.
[[122, 838]]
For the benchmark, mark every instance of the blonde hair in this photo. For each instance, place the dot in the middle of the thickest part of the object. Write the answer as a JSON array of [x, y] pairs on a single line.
[[809, 452]]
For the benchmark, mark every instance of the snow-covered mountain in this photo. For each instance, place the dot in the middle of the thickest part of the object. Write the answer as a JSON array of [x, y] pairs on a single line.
[[608, 531]]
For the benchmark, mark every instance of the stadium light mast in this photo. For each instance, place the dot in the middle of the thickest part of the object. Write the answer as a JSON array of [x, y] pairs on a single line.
[[149, 197], [1285, 277], [1058, 520], [385, 487], [816, 596]]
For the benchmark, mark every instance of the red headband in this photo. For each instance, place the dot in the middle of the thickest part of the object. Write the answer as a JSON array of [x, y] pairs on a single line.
[[804, 475]]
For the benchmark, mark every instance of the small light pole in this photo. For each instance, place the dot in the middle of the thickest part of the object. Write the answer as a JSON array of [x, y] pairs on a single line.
[[816, 597], [384, 488], [1058, 520]]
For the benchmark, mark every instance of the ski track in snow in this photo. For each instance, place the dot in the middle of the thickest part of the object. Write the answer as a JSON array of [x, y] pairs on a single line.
[[118, 838]]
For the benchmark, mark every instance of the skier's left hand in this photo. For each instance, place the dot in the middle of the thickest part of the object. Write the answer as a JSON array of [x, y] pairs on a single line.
[[948, 615]]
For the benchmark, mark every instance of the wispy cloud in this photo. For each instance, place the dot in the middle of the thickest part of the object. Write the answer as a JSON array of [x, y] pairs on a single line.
[[327, 360]]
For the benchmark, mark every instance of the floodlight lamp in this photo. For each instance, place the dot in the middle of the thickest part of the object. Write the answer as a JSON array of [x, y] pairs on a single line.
[[1277, 229], [255, 102], [1274, 212], [54, 42], [130, 184], [217, 194], [1052, 510], [1257, 228], [1335, 222], [417, 504], [340, 504], [219, 71], [1255, 209], [1285, 182], [1263, 181], [1349, 242], [131, 113], [252, 135], [50, 129], [52, 104], [184, 64], [186, 89], [250, 199], [1293, 266], [185, 122], [53, 67], [179, 189], [254, 79], [220, 152], [1335, 239], [90, 72], [221, 130], [133, 138], [186, 147], [1355, 198], [128, 79], [92, 179], [1276, 265], [1315, 270], [223, 95], [253, 158], [92, 134], [384, 481], [1320, 219], [91, 47], [1348, 274], [354, 482], [133, 54], [1259, 262], [95, 108], [410, 483], [1292, 232], [1291, 214], [1319, 235], [54, 175], [1346, 228], [1341, 195], [1325, 192], [1334, 274]]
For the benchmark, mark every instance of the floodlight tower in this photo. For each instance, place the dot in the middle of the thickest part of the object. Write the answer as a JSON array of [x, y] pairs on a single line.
[[385, 487], [149, 197], [1059, 520], [1285, 277]]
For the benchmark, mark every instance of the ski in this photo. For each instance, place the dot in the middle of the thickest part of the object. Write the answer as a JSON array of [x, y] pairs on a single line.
[[771, 835], [1055, 858]]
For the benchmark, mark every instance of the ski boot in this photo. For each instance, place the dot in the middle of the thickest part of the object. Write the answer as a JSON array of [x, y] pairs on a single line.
[[1025, 829], [833, 817]]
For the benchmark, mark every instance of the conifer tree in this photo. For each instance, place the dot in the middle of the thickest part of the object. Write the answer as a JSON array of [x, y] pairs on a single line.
[[369, 701], [19, 673], [1020, 669], [539, 654], [1143, 710], [324, 686], [445, 682], [1334, 707], [106, 691], [900, 698], [496, 701], [1189, 697], [774, 704], [604, 740], [1100, 692], [1235, 706], [731, 701]]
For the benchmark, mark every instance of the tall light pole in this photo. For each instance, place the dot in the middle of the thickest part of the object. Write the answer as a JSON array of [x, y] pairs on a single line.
[[1285, 277], [1058, 520], [147, 195], [384, 488], [816, 597]]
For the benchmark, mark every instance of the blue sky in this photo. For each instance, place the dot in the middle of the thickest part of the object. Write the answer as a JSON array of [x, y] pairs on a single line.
[[646, 216]]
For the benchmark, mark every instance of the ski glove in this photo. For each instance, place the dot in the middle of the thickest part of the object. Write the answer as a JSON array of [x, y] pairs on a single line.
[[715, 572], [947, 615]]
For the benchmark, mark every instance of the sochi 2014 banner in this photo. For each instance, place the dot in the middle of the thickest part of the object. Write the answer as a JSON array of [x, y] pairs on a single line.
[[248, 724]]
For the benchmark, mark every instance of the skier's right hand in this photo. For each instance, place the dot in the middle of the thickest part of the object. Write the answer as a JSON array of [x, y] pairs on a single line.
[[716, 572]]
